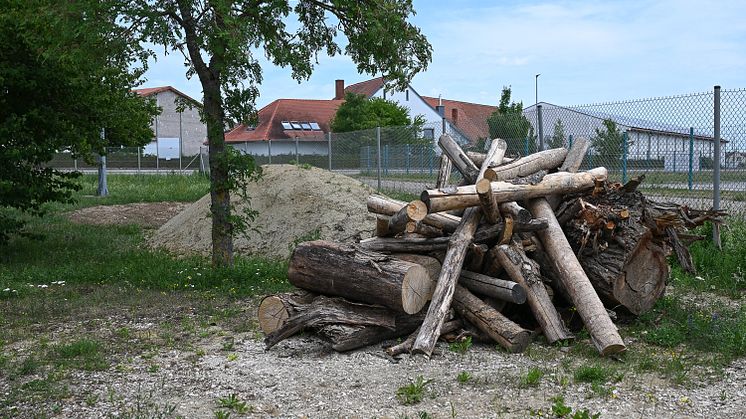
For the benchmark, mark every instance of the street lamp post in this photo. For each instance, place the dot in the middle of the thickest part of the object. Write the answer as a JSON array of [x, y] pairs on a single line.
[[536, 89]]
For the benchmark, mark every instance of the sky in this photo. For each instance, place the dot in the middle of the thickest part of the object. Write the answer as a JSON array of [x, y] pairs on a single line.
[[586, 52]]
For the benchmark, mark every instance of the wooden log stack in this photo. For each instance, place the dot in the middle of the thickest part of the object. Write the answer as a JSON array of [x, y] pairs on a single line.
[[534, 231]]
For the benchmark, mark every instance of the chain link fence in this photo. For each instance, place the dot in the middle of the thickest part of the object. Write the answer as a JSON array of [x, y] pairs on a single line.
[[134, 160], [669, 140]]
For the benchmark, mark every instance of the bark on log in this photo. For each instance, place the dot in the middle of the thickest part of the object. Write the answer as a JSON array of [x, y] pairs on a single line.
[[324, 311], [487, 233], [526, 272], [342, 270], [444, 173], [404, 244], [475, 257], [383, 205], [478, 158], [406, 345], [572, 163], [519, 214], [503, 331], [382, 225], [488, 202], [501, 289], [438, 200], [346, 338], [458, 158], [525, 166], [603, 332], [275, 310]]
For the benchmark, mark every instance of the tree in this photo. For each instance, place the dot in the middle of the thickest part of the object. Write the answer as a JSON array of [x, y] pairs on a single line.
[[609, 141], [66, 73], [219, 40], [558, 136], [358, 112], [509, 123]]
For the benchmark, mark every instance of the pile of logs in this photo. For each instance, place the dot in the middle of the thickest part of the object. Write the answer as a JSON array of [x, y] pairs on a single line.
[[465, 260]]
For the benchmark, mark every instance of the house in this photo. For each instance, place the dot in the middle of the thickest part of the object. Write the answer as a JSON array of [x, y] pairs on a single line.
[[466, 122], [651, 144], [283, 125], [175, 133]]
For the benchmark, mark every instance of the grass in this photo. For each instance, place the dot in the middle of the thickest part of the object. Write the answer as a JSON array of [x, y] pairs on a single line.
[[532, 377], [125, 189], [413, 392], [461, 346]]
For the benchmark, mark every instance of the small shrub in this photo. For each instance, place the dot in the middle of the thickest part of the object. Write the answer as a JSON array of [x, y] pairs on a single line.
[[533, 377], [461, 346], [463, 377]]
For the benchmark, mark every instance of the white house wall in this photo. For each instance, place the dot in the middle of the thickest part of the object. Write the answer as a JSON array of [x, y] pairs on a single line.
[[279, 147]]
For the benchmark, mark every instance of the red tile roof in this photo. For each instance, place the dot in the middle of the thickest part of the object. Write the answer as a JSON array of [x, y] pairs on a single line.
[[367, 88], [300, 110], [471, 117], [149, 91]]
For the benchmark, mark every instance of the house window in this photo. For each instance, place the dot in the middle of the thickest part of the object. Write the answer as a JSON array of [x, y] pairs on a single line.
[[305, 125], [286, 125], [315, 126], [428, 133]]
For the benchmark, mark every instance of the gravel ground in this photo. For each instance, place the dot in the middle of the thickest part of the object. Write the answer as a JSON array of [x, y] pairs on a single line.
[[302, 378]]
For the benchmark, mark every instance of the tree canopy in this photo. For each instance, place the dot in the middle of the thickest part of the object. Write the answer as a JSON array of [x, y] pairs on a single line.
[[509, 123], [220, 41], [557, 139], [609, 141], [358, 112], [66, 73]]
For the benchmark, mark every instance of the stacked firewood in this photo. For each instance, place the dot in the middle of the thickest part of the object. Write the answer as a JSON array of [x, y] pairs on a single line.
[[464, 260]]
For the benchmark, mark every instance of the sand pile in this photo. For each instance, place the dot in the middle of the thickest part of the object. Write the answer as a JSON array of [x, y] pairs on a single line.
[[293, 203]]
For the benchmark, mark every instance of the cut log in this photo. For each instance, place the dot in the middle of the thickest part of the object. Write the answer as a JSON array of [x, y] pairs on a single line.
[[404, 244], [572, 163], [275, 310], [494, 157], [517, 212], [444, 173], [475, 257], [458, 158], [406, 345], [493, 287], [431, 264], [413, 211], [420, 229], [382, 225], [603, 332], [325, 311], [346, 337], [525, 166], [383, 205], [438, 200], [488, 202], [478, 158], [487, 233], [526, 272], [682, 253], [370, 277], [498, 327]]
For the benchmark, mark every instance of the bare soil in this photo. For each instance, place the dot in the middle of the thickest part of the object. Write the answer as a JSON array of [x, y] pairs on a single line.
[[145, 214]]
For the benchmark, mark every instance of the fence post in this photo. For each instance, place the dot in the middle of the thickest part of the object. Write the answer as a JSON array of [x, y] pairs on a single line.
[[716, 180], [569, 142], [103, 189], [139, 150], [269, 150], [378, 144], [180, 141], [691, 156], [625, 145], [525, 147], [329, 136], [386, 161], [406, 157], [297, 158], [541, 128], [75, 164]]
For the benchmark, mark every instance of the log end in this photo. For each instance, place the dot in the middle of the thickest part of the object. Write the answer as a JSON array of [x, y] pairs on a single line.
[[613, 349], [272, 314], [484, 186], [519, 342], [519, 294], [416, 210], [417, 289], [490, 174]]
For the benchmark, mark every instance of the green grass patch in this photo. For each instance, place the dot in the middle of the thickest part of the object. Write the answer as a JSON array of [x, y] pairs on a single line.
[[592, 374], [721, 271], [413, 392], [125, 189], [532, 377], [85, 354]]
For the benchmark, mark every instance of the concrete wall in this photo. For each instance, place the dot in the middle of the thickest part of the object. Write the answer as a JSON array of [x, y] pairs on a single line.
[[192, 131], [282, 147]]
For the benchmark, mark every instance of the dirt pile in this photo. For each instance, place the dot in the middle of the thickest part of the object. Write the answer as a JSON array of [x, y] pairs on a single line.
[[293, 203]]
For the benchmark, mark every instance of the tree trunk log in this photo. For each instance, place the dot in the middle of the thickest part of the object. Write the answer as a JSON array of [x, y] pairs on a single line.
[[493, 287], [488, 202], [438, 200], [342, 270], [512, 209], [525, 166], [404, 244], [346, 337], [406, 345], [325, 311], [526, 272], [383, 205], [603, 332], [503, 331], [275, 310], [444, 173], [458, 158], [487, 233]]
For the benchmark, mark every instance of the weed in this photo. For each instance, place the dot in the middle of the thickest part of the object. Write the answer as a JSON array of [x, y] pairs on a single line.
[[222, 414], [591, 374], [532, 378], [461, 346], [463, 377], [85, 354], [91, 399], [307, 237], [413, 392], [232, 402], [153, 368], [561, 410], [232, 357]]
